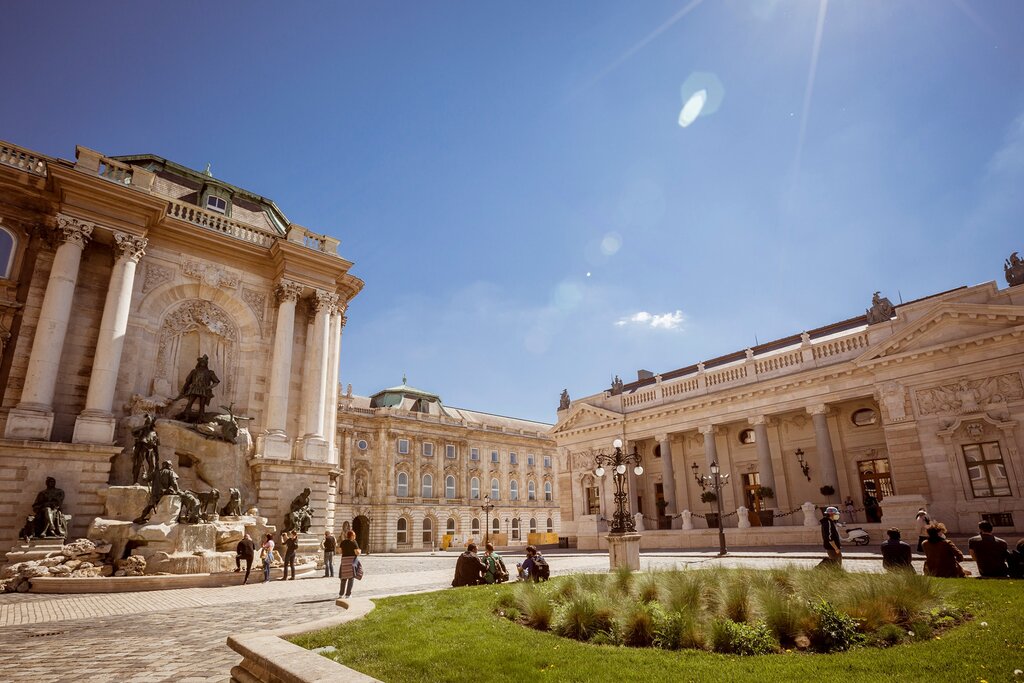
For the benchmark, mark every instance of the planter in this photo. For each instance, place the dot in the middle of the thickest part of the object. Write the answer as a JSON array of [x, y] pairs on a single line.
[[767, 517], [712, 519]]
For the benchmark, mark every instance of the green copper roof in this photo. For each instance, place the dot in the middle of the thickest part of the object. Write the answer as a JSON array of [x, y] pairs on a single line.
[[392, 396]]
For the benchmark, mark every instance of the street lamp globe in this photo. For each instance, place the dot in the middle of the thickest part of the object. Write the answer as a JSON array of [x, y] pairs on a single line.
[[638, 470], [617, 443], [621, 469], [599, 471]]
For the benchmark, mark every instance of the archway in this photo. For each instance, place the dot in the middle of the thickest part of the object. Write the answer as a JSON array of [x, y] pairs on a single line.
[[361, 525]]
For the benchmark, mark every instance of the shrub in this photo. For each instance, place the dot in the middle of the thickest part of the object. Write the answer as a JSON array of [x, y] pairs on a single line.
[[639, 623], [536, 607], [566, 588], [582, 617], [591, 583], [834, 630], [622, 580], [680, 630], [787, 617], [729, 637], [888, 635], [648, 586], [736, 598]]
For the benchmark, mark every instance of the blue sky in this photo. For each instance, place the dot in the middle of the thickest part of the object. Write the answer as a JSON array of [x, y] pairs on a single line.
[[512, 182]]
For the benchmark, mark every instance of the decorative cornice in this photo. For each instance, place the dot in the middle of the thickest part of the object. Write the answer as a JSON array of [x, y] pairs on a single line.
[[129, 247]]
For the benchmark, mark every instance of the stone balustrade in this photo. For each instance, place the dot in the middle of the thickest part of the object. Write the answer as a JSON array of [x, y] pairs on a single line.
[[21, 159], [219, 223]]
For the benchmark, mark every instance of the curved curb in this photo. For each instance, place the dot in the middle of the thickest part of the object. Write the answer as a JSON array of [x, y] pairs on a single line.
[[268, 658], [153, 582]]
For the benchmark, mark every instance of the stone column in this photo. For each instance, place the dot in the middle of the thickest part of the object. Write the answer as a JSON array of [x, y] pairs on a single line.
[[32, 419], [331, 406], [314, 444], [710, 448], [632, 486], [274, 442], [823, 441], [765, 470], [96, 423], [668, 476]]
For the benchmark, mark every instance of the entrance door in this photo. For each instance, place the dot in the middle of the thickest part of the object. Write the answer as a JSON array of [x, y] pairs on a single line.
[[659, 503], [875, 485], [752, 497], [361, 525]]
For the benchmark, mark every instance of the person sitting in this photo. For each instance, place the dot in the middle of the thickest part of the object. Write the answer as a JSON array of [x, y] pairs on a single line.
[[496, 572], [895, 553], [534, 567], [469, 570], [942, 557], [989, 551], [1016, 561]]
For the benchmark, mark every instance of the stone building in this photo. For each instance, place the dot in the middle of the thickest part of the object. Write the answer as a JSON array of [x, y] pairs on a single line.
[[117, 274], [913, 405], [420, 471]]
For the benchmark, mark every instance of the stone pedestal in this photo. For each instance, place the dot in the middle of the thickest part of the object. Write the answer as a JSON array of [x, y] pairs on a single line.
[[167, 510], [901, 511], [276, 446], [315, 449], [124, 502], [35, 549], [94, 428], [811, 517], [29, 424], [624, 551]]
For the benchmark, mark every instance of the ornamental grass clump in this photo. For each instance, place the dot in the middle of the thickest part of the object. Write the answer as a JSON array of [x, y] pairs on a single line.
[[648, 586], [638, 624], [622, 581], [582, 617], [535, 606]]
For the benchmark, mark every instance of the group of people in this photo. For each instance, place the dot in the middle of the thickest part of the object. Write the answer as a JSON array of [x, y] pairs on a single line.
[[942, 557], [245, 552], [472, 570]]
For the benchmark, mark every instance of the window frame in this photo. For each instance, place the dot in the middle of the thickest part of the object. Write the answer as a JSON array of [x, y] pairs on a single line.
[[531, 460], [402, 531], [495, 456], [513, 490], [450, 451], [531, 490], [474, 454], [212, 198], [495, 489], [474, 488], [983, 465], [549, 493], [427, 485], [449, 489], [547, 462], [6, 269], [405, 446], [402, 480], [513, 458]]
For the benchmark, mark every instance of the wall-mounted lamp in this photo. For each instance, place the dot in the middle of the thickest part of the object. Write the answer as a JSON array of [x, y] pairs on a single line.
[[804, 467], [697, 476]]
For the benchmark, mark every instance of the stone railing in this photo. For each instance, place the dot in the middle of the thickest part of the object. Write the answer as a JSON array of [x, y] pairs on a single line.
[[804, 356], [21, 159], [218, 223], [115, 171]]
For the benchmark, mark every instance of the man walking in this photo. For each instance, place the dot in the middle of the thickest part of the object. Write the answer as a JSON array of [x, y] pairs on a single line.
[[830, 538], [245, 550], [329, 545]]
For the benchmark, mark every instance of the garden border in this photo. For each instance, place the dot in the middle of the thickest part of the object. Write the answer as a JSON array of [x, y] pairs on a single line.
[[268, 658]]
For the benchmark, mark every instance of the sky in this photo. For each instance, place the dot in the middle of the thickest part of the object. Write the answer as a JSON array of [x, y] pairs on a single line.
[[514, 182]]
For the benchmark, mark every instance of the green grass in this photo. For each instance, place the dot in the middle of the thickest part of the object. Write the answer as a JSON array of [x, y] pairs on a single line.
[[455, 635]]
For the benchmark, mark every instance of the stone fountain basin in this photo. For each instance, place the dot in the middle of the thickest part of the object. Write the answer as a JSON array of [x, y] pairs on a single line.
[[156, 582]]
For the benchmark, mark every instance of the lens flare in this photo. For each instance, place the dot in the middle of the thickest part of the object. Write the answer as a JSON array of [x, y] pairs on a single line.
[[691, 110]]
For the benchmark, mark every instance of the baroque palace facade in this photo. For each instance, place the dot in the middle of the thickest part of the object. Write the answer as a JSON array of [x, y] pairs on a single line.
[[913, 405], [116, 274]]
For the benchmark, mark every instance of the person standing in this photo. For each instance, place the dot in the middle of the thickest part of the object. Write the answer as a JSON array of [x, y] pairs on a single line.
[[346, 570], [922, 521], [989, 551], [267, 553], [245, 550], [291, 548], [329, 545], [830, 537]]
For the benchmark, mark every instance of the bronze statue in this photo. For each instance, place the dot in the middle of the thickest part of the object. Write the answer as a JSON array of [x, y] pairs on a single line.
[[207, 503], [881, 309], [144, 454], [198, 386], [616, 386], [1013, 269], [190, 508], [163, 483], [233, 508], [300, 515], [563, 402], [49, 521], [222, 427]]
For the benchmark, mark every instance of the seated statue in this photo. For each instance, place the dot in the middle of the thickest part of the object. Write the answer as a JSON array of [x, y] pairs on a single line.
[[300, 514], [163, 483], [233, 508], [49, 521]]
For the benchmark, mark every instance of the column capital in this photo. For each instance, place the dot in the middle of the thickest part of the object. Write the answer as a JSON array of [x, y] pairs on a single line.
[[662, 437], [818, 409], [759, 420], [287, 290], [323, 300], [129, 247], [708, 429], [73, 230]]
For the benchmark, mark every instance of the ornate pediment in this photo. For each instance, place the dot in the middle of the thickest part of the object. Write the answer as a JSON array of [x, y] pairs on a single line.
[[947, 325], [584, 415]]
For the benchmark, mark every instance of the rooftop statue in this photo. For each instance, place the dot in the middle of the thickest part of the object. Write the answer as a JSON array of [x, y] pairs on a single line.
[[881, 309], [1014, 270], [145, 451], [616, 386], [198, 386], [563, 402]]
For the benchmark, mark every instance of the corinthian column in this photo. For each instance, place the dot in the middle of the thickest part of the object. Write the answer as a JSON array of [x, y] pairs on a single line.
[[710, 448], [96, 423], [823, 441], [33, 416], [331, 404], [274, 442], [765, 470], [668, 475], [314, 445]]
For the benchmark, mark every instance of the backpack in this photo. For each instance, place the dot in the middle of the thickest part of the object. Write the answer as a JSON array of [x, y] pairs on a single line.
[[541, 568], [501, 573]]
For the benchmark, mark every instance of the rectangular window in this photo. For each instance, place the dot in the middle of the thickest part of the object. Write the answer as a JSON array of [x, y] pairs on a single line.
[[593, 499], [494, 456], [403, 446], [216, 204], [474, 453], [530, 460], [986, 470], [513, 458], [449, 451], [428, 449], [547, 461]]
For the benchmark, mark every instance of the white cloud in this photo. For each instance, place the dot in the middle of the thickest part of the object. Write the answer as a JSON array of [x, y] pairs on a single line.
[[658, 321]]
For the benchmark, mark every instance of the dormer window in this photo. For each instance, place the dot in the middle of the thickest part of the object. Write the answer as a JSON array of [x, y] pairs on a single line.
[[218, 204]]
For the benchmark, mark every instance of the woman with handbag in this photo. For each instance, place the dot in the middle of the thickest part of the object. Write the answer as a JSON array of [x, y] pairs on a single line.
[[350, 568], [267, 555]]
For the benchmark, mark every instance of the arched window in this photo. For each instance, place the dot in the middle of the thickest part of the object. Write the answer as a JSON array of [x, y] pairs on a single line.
[[551, 527], [403, 485], [496, 526], [7, 245], [533, 525], [450, 527], [474, 488], [547, 491], [513, 490], [475, 526], [449, 486], [515, 529], [403, 531], [495, 490], [428, 531], [428, 486], [531, 490]]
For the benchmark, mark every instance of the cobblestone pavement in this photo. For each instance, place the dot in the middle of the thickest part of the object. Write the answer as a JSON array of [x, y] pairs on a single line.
[[181, 634]]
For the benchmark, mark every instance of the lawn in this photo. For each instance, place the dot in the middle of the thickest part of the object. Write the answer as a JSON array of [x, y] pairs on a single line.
[[454, 635]]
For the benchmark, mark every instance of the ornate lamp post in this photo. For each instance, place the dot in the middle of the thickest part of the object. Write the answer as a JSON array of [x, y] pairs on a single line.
[[716, 480], [622, 521], [487, 507], [804, 467]]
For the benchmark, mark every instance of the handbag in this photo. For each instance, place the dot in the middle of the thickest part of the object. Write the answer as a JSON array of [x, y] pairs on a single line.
[[357, 569]]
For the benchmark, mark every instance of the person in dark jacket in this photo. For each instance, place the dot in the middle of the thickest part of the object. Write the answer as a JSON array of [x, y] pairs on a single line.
[[245, 550], [469, 570], [989, 551], [1016, 561], [830, 538], [291, 548], [329, 545], [896, 554], [350, 551], [942, 557]]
